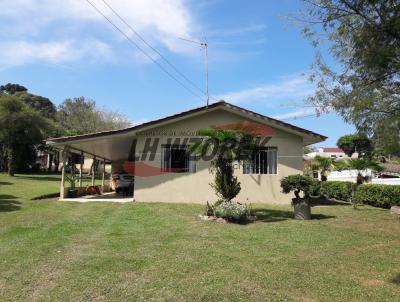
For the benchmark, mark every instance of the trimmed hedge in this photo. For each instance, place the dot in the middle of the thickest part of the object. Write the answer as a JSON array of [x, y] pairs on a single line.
[[383, 196], [340, 190]]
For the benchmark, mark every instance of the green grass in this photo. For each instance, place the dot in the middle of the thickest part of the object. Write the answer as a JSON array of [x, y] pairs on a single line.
[[52, 250]]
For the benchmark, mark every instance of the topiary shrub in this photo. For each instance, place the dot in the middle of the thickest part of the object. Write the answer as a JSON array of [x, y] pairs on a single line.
[[315, 188], [232, 211], [340, 190], [377, 195], [297, 183]]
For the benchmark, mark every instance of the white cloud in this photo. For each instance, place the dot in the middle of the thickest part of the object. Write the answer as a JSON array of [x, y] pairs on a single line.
[[58, 29], [286, 89], [303, 112], [22, 52]]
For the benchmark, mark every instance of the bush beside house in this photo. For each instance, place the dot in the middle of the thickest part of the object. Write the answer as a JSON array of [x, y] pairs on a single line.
[[383, 196], [340, 190], [376, 195]]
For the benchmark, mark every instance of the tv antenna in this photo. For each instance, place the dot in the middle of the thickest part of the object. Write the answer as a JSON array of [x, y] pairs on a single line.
[[203, 45]]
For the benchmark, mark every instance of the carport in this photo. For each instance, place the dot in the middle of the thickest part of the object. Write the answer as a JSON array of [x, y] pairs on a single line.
[[109, 147]]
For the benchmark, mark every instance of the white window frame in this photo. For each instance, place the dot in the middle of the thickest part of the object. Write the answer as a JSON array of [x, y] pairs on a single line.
[[248, 167]]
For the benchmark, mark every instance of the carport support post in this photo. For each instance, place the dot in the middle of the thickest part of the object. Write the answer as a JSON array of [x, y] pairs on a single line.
[[80, 171], [64, 155], [103, 176], [94, 169]]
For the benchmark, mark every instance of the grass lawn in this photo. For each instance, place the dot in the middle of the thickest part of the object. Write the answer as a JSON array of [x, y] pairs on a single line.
[[52, 250]]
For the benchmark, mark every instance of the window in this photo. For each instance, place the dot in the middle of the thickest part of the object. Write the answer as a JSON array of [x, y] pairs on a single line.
[[264, 161], [177, 159]]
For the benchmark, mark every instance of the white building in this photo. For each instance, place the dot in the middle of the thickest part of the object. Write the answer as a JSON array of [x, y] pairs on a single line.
[[336, 153]]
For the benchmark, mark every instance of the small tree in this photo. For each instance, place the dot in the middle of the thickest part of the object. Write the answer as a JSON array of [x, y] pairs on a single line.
[[362, 165], [324, 165], [228, 146], [297, 184]]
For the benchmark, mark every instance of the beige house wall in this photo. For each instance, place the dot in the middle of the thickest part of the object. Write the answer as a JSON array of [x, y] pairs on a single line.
[[194, 187]]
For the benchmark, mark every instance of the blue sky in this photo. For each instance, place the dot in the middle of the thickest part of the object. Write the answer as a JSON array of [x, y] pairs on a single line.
[[257, 59]]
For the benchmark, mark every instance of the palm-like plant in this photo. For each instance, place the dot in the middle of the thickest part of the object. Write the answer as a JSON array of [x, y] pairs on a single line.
[[361, 165], [227, 146], [324, 165]]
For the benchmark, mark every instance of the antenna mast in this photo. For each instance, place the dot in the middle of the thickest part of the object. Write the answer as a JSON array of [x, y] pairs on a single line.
[[203, 45]]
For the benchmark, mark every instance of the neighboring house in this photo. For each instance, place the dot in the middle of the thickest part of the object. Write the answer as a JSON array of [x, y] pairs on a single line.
[[334, 152], [390, 170], [158, 154]]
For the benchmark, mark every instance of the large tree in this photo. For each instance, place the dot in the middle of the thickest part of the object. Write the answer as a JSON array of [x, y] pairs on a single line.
[[352, 143], [81, 116], [21, 128], [37, 102], [364, 85], [42, 105]]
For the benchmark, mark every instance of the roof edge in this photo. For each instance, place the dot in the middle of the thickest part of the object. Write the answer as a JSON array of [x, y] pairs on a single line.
[[55, 140]]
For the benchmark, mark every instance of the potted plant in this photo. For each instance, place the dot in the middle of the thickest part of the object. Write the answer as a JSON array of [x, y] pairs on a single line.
[[72, 179], [297, 184]]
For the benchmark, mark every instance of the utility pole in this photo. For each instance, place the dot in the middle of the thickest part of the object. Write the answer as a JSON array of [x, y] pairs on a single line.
[[204, 46]]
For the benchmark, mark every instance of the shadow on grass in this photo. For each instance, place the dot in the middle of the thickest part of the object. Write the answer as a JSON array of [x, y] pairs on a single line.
[[268, 215], [8, 203], [396, 279], [327, 202], [39, 178], [4, 183]]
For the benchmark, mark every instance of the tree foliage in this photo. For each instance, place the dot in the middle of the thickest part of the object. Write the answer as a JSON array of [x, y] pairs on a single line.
[[324, 165], [21, 128], [36, 102], [81, 116], [227, 146], [364, 39], [12, 88], [359, 143], [297, 184]]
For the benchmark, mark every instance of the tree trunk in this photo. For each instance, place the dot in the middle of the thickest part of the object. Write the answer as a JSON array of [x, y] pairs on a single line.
[[11, 162], [324, 178], [50, 163], [360, 179], [56, 160]]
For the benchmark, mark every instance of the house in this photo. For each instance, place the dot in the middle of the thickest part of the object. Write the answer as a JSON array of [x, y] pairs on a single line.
[[158, 154], [331, 152]]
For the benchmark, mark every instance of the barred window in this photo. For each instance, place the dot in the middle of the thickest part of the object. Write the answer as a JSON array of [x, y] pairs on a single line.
[[177, 159], [264, 161]]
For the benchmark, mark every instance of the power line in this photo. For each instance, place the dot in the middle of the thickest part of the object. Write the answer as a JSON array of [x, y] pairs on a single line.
[[300, 117], [153, 48], [143, 51]]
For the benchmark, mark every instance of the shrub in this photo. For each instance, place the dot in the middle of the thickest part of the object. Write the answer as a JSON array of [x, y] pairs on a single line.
[[232, 211], [382, 196], [340, 190], [297, 183], [315, 188]]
